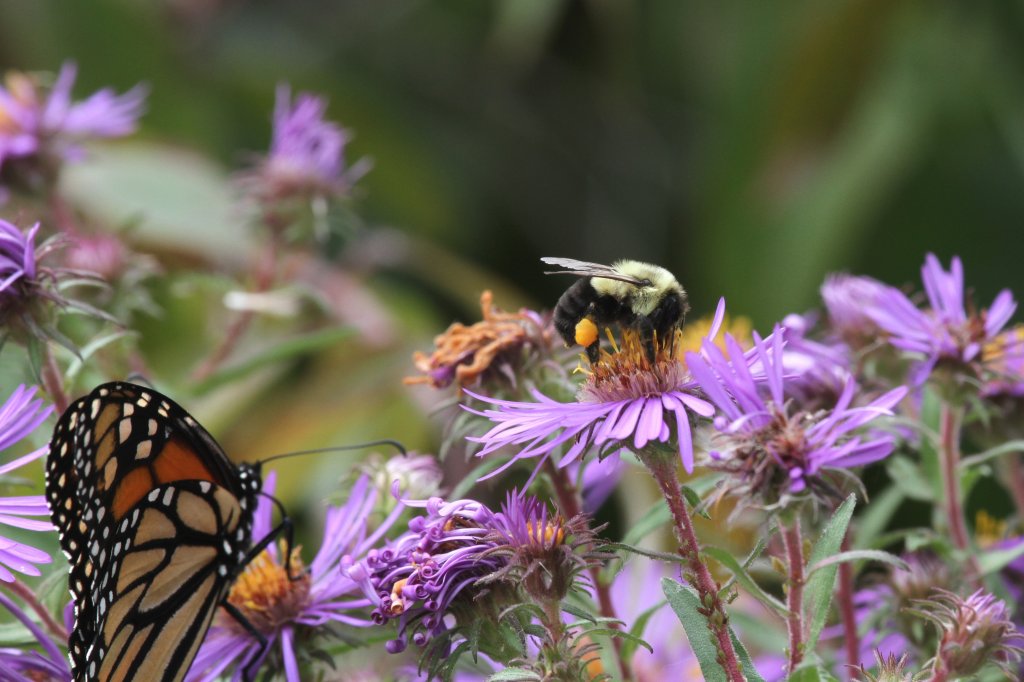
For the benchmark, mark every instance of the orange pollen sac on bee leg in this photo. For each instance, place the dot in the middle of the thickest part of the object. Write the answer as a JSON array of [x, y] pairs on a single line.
[[586, 332], [266, 595]]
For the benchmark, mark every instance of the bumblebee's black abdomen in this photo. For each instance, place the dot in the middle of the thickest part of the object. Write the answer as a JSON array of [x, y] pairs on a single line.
[[573, 306]]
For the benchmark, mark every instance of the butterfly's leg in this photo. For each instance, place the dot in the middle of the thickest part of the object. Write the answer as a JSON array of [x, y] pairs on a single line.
[[251, 667]]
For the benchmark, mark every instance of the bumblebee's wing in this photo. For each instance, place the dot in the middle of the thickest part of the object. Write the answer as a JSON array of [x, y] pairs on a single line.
[[582, 268]]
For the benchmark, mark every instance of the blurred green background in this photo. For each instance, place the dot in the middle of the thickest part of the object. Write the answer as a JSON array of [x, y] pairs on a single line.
[[750, 147]]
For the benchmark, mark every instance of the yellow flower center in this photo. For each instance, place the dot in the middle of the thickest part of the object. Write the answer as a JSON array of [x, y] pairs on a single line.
[[988, 530], [550, 535], [265, 593]]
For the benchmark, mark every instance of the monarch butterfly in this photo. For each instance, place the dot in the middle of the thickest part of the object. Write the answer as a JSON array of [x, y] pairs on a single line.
[[156, 523]]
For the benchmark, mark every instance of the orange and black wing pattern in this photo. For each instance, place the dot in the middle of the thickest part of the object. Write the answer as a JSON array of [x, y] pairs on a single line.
[[155, 521]]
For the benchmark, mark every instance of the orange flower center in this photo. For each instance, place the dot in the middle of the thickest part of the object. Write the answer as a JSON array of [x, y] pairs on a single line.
[[267, 595]]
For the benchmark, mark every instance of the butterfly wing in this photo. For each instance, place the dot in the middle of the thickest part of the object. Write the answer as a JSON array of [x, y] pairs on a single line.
[[155, 521]]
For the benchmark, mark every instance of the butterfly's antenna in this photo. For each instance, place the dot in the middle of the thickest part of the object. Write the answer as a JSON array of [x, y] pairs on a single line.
[[337, 448]]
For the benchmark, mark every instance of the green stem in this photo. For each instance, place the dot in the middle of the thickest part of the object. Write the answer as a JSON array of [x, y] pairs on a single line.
[[570, 505], [950, 421], [846, 609], [794, 542], [663, 468]]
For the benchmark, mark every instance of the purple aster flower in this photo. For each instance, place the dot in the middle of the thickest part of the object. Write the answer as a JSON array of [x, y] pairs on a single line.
[[20, 415], [770, 446], [307, 153], [49, 127], [47, 663], [17, 257], [287, 611], [945, 332], [30, 291], [545, 553], [430, 571], [816, 372], [974, 631], [850, 301], [627, 401]]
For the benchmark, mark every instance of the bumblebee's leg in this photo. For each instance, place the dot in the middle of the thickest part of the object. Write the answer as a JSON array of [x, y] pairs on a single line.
[[594, 351], [646, 329]]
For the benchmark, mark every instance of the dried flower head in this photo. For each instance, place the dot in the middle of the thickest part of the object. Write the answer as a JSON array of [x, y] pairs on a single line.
[[496, 347]]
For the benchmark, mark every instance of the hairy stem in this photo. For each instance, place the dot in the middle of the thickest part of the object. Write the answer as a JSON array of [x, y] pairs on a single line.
[[570, 504], [53, 381], [950, 420], [663, 467], [851, 640], [1014, 467], [794, 542], [263, 279]]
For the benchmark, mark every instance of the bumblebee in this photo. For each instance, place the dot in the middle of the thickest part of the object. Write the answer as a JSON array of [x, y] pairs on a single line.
[[632, 294]]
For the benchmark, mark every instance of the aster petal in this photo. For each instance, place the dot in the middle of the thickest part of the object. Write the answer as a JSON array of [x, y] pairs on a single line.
[[999, 313], [685, 440], [291, 666], [649, 425]]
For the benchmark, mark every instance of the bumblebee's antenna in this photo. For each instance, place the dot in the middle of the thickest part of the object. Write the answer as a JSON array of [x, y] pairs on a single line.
[[338, 448]]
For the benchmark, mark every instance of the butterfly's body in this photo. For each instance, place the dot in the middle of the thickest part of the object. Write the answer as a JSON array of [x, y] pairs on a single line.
[[156, 522]]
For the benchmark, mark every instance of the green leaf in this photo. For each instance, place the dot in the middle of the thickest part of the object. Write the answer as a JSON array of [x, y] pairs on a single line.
[[858, 555], [637, 630], [740, 572], [811, 673], [685, 602], [514, 675], [649, 553], [582, 614], [285, 350], [877, 515], [908, 477], [991, 453], [615, 632], [931, 409], [486, 466], [693, 499], [819, 588], [654, 519], [995, 559]]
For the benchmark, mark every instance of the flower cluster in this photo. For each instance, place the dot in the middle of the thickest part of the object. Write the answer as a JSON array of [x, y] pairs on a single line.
[[430, 571]]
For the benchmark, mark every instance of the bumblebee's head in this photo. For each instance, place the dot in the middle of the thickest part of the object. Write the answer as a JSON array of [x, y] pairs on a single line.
[[653, 284]]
